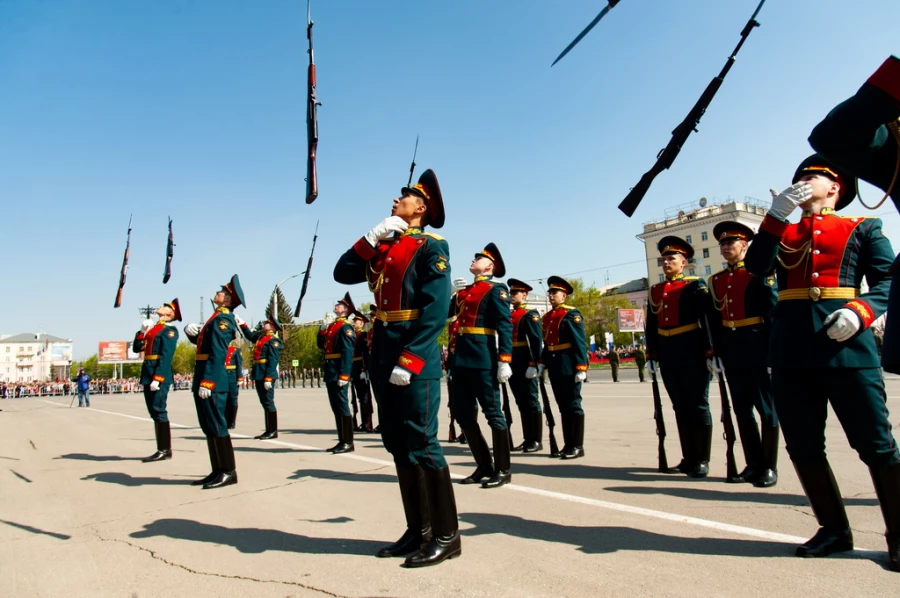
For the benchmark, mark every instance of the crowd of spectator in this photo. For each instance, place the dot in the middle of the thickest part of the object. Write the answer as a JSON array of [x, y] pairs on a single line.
[[601, 355]]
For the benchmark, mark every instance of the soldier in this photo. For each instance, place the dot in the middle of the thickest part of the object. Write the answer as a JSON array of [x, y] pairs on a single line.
[[359, 373], [742, 301], [450, 360], [675, 341], [565, 358], [410, 276], [527, 341], [640, 360], [820, 263], [318, 377], [614, 364], [235, 365], [210, 383], [482, 363], [158, 342], [337, 338], [264, 373]]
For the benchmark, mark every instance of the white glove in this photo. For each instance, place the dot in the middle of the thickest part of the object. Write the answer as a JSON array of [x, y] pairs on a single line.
[[364, 376], [146, 325], [192, 329], [789, 199], [400, 377], [154, 386], [580, 376], [204, 393], [343, 382], [710, 365], [385, 228], [328, 320], [504, 372], [267, 385], [540, 370], [844, 323], [531, 373], [459, 284], [652, 366], [239, 320]]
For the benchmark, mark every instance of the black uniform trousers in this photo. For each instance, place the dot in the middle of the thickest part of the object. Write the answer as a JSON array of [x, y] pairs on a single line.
[[528, 399], [408, 416], [751, 388], [567, 393], [473, 387], [156, 402], [688, 387], [266, 397], [337, 398], [211, 413]]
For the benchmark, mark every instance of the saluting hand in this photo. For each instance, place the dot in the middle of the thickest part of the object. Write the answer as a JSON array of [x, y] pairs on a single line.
[[788, 200], [146, 325]]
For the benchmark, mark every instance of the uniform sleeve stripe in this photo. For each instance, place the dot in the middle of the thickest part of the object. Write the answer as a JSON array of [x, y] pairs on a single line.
[[363, 249]]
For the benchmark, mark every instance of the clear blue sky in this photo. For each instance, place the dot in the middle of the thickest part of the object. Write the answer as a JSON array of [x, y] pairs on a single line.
[[196, 109]]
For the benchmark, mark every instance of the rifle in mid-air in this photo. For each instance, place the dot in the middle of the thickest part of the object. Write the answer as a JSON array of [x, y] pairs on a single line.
[[124, 271], [312, 118], [667, 156], [308, 270], [585, 31], [170, 253]]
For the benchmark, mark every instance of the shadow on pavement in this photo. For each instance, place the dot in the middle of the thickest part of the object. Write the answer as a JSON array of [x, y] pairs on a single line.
[[262, 449], [325, 474], [556, 468], [760, 496], [254, 540], [330, 431], [34, 530], [86, 457], [123, 479]]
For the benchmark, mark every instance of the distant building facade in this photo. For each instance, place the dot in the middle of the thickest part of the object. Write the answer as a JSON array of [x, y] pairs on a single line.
[[34, 357]]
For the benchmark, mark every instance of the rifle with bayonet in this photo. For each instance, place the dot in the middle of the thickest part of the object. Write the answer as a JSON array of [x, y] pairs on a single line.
[[507, 413], [667, 155], [312, 118], [662, 462], [355, 403], [170, 253], [124, 271], [545, 398], [727, 423], [308, 270]]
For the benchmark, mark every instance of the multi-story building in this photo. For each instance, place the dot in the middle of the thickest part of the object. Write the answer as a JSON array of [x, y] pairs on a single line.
[[34, 357], [694, 223]]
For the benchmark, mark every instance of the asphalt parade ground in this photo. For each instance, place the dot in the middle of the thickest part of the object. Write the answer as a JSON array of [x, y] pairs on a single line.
[[80, 515]]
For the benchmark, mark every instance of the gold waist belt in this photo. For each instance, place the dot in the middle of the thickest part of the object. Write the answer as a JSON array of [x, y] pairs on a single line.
[[816, 293], [200, 357], [520, 344], [559, 347], [678, 329], [259, 360], [357, 359], [402, 315], [230, 367], [333, 355], [476, 330], [744, 322], [151, 357]]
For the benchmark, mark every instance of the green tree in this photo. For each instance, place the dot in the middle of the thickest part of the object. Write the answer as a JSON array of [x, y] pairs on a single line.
[[183, 360]]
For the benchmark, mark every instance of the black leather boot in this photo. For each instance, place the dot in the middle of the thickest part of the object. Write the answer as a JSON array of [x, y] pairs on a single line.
[[337, 425], [768, 475], [566, 421], [445, 542], [415, 507], [163, 443], [228, 472], [213, 461], [346, 445], [526, 432], [502, 474], [231, 416], [576, 423], [887, 487], [481, 453], [534, 444], [271, 426], [753, 457], [685, 439], [825, 499], [702, 448]]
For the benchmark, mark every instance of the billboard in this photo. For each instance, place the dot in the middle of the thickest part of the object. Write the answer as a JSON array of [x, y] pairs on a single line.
[[116, 352], [630, 320], [60, 352]]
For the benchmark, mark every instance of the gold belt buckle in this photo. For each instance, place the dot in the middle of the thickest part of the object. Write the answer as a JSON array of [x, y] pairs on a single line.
[[815, 293]]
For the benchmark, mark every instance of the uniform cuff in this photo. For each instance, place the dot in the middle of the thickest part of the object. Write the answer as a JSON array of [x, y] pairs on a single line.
[[411, 362], [363, 249], [344, 377], [887, 77], [267, 379], [159, 378], [505, 358], [581, 367], [864, 312], [774, 226], [208, 385]]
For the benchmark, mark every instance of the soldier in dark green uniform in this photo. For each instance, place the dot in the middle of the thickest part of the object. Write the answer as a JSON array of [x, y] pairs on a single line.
[[360, 372], [527, 342], [740, 326], [614, 364], [210, 384], [158, 342], [640, 360], [409, 275], [566, 361], [677, 343], [482, 363], [820, 263], [337, 339], [234, 363], [264, 373]]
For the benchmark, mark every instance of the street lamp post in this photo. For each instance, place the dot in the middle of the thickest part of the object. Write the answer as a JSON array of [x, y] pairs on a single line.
[[277, 287]]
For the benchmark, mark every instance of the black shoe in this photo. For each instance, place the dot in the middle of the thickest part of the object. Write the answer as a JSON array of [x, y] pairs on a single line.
[[461, 439], [345, 433], [271, 426], [445, 542], [768, 473], [573, 453], [415, 508], [502, 473], [701, 470], [223, 478], [887, 488], [205, 480], [533, 444], [520, 448], [213, 461], [499, 478], [893, 542], [576, 451], [227, 474], [482, 455], [825, 542], [163, 443], [343, 448], [479, 475], [158, 456], [766, 479]]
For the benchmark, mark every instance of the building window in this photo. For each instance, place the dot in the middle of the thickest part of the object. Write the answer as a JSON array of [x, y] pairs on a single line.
[[708, 270], [7, 349], [704, 236], [688, 239], [662, 277], [659, 262], [706, 251], [692, 272]]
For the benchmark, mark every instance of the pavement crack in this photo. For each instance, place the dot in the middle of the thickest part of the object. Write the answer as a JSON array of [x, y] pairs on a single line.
[[153, 554]]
